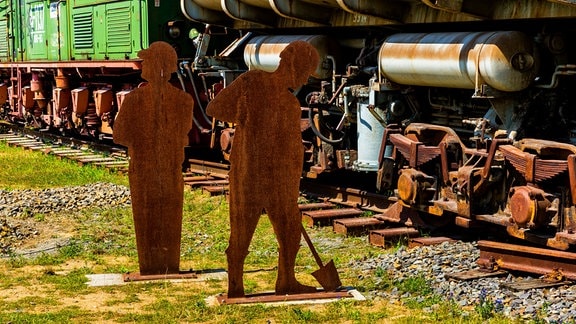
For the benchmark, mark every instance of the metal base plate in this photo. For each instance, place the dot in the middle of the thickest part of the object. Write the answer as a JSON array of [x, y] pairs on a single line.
[[190, 274], [474, 274], [534, 284], [270, 297]]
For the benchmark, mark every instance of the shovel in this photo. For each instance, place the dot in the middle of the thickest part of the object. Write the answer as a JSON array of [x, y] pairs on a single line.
[[327, 275]]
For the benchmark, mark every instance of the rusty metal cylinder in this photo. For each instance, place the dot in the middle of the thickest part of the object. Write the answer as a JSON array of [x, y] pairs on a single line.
[[528, 207], [263, 52], [503, 60]]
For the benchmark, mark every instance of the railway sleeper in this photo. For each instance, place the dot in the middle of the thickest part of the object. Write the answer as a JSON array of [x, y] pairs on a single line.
[[326, 217], [216, 190], [388, 236], [315, 206], [206, 183], [357, 226]]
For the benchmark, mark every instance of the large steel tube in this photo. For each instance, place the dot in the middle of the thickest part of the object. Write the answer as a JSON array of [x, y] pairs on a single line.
[[263, 52], [503, 60]]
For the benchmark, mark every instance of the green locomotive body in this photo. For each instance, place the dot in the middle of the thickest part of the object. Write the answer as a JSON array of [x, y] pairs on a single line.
[[44, 30], [67, 65]]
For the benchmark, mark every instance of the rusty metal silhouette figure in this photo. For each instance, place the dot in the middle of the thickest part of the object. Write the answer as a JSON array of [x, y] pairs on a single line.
[[266, 161], [153, 123]]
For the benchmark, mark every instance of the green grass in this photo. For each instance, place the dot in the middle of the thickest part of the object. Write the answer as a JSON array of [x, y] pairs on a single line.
[[34, 170], [50, 287]]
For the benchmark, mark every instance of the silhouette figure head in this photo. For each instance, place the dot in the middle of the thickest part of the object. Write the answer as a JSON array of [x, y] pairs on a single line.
[[298, 61], [160, 60]]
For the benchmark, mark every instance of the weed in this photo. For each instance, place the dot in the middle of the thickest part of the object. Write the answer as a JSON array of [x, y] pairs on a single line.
[[16, 261], [380, 272], [305, 315], [71, 250], [70, 284], [416, 284], [485, 306]]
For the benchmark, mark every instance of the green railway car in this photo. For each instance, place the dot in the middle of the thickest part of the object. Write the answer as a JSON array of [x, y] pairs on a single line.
[[67, 64], [40, 30]]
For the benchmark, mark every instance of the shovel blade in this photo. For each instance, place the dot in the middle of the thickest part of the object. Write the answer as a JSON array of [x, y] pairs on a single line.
[[328, 276]]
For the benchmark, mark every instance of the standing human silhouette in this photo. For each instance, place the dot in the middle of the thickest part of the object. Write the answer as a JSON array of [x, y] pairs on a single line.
[[266, 161], [153, 123]]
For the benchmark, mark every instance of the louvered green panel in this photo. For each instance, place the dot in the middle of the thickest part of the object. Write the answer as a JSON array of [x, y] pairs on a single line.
[[4, 47], [82, 30], [118, 28]]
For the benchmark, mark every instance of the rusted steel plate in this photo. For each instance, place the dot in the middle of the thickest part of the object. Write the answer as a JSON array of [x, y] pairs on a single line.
[[325, 217], [271, 297], [383, 236], [312, 206], [421, 241], [169, 276], [527, 259], [474, 274], [534, 284], [356, 226]]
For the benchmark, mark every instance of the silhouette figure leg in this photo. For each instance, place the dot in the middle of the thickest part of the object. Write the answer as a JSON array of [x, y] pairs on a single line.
[[286, 220], [243, 222]]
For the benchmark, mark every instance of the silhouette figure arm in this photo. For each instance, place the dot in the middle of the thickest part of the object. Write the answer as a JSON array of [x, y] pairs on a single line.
[[229, 104], [124, 123]]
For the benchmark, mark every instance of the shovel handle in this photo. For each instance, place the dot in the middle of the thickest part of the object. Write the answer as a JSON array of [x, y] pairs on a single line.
[[311, 246]]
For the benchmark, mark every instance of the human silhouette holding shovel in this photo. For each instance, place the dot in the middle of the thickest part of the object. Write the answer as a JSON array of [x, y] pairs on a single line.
[[153, 123], [266, 161]]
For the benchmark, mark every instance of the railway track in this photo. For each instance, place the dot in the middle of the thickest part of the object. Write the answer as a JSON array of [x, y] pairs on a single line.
[[348, 211], [81, 151]]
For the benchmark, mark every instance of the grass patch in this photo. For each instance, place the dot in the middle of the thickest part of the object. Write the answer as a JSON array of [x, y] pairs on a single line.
[[51, 287], [34, 170]]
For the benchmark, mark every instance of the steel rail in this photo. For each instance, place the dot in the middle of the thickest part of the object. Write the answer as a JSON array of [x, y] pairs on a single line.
[[526, 259]]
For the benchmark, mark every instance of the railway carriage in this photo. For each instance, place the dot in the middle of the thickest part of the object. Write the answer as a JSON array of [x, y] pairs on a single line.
[[68, 64], [462, 111]]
